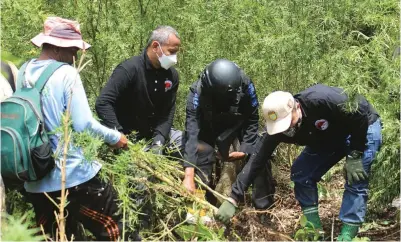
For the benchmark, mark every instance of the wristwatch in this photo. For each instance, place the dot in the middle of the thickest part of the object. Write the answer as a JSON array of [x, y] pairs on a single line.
[[355, 154]]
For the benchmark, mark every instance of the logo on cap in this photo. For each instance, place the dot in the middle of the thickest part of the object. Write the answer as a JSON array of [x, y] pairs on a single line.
[[272, 115], [322, 124]]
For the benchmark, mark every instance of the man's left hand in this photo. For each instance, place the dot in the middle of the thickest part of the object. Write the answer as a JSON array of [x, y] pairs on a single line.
[[236, 155], [353, 170], [226, 211]]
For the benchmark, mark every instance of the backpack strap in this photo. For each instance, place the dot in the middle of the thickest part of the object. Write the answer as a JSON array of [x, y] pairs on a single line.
[[44, 77], [21, 77]]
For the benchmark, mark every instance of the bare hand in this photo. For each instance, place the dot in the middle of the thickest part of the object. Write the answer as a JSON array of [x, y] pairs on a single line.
[[122, 143], [236, 156], [189, 182]]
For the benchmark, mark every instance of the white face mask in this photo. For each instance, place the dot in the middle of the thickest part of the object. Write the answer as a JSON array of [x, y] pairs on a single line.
[[291, 131], [167, 61]]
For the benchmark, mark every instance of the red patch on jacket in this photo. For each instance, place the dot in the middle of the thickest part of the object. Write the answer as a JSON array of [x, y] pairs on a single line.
[[322, 124], [167, 85]]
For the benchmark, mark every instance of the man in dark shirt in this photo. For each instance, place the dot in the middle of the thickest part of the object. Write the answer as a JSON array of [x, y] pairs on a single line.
[[141, 93], [223, 98], [318, 119]]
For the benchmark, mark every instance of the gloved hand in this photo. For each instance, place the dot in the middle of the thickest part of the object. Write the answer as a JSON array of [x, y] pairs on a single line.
[[226, 212], [156, 149], [353, 169]]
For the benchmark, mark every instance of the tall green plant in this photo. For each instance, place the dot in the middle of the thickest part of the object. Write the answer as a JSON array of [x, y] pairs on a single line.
[[285, 45]]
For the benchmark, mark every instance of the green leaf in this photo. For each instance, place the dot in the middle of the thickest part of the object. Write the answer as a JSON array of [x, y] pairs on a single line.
[[300, 234], [303, 221], [185, 231], [385, 222], [17, 229]]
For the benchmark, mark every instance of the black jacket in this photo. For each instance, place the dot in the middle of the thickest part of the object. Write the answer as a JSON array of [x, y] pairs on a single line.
[[325, 125], [139, 98], [201, 125]]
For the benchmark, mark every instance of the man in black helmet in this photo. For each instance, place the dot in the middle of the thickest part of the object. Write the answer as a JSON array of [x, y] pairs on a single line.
[[221, 98]]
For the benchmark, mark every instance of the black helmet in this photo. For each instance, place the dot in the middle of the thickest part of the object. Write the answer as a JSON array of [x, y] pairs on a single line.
[[221, 77]]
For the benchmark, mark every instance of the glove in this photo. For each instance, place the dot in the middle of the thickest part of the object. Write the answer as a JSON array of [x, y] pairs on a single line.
[[226, 212], [353, 169], [156, 149]]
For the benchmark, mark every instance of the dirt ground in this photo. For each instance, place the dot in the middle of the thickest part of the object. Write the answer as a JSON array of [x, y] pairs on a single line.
[[282, 221]]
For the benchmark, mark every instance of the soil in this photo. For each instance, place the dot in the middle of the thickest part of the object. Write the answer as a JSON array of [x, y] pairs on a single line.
[[282, 221]]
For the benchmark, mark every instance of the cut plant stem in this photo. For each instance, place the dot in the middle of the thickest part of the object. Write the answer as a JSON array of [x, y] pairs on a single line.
[[67, 138], [178, 187]]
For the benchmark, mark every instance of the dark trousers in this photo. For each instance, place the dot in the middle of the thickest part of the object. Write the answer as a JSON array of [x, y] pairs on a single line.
[[312, 164], [92, 203], [263, 186]]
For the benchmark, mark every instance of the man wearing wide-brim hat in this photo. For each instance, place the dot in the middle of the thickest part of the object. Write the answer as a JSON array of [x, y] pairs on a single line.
[[91, 200]]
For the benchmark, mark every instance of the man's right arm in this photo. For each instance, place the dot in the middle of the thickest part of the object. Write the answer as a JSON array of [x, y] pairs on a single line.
[[81, 115], [191, 145], [107, 100], [263, 150], [191, 130]]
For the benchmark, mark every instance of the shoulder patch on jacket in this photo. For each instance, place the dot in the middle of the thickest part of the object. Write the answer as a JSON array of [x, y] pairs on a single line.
[[195, 100], [252, 94]]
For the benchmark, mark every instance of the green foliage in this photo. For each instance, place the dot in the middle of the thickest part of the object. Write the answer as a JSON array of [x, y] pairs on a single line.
[[5, 56], [375, 225], [286, 45], [200, 232], [307, 232], [323, 192], [385, 175], [338, 168], [19, 207], [89, 143], [17, 229], [135, 174]]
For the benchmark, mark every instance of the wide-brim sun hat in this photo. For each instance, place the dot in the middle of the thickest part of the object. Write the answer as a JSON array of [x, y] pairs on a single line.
[[62, 33]]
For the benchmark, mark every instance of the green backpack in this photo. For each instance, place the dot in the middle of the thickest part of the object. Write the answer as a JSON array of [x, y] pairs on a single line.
[[26, 153]]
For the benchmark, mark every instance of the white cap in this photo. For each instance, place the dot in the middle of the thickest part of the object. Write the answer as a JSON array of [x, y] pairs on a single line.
[[277, 111]]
